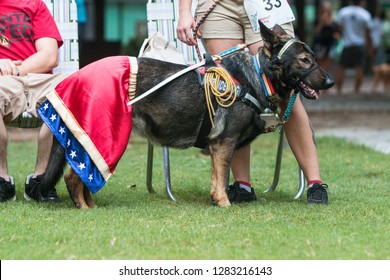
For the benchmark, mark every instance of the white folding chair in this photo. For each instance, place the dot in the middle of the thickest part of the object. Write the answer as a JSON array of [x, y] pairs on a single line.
[[162, 16]]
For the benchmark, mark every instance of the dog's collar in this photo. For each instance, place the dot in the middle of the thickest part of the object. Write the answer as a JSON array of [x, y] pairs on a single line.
[[269, 91], [286, 46]]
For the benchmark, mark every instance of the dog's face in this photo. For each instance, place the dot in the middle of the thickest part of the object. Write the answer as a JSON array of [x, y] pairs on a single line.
[[293, 63]]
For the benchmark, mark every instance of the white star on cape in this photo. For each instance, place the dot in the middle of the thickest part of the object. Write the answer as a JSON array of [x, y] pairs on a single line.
[[81, 166], [73, 154]]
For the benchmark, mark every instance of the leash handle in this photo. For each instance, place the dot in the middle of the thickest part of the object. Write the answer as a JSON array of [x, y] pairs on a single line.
[[203, 18]]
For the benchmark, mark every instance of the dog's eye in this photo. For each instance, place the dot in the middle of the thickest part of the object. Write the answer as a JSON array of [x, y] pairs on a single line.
[[305, 60]]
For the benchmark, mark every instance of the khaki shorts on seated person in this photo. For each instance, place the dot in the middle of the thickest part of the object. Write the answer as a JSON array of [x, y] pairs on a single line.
[[229, 20], [19, 94]]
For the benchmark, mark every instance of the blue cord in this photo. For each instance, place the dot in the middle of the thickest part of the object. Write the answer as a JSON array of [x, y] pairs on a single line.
[[290, 105]]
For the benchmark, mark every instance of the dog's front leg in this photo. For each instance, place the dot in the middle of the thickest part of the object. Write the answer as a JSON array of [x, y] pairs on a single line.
[[221, 157]]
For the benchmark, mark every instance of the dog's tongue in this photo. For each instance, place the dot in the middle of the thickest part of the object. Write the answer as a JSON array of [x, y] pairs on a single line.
[[310, 93]]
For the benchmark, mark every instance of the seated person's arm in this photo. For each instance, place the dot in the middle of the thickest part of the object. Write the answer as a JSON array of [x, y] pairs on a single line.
[[43, 61]]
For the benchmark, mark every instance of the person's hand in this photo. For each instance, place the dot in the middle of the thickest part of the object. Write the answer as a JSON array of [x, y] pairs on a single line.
[[9, 67], [185, 28]]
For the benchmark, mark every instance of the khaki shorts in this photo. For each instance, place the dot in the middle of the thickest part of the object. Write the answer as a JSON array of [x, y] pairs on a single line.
[[229, 20], [19, 94]]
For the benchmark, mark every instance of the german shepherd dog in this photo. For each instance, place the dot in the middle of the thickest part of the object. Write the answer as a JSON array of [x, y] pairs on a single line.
[[173, 115]]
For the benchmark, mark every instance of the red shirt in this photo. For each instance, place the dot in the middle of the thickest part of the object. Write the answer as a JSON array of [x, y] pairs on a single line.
[[22, 22]]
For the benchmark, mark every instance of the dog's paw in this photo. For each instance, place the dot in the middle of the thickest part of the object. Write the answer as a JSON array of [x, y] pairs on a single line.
[[224, 202]]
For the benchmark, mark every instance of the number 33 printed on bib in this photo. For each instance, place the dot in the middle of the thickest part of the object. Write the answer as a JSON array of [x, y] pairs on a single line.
[[270, 12]]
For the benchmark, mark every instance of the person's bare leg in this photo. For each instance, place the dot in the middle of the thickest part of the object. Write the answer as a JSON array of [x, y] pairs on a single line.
[[45, 140], [241, 164], [359, 79], [216, 46], [340, 74], [3, 151], [7, 185], [300, 136]]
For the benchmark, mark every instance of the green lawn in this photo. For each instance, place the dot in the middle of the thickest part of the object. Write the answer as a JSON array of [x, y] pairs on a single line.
[[129, 223]]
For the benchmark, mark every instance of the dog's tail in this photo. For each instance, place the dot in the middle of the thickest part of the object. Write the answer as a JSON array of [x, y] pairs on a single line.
[[54, 169]]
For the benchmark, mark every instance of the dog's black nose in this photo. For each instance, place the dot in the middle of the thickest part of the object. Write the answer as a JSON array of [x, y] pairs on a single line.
[[329, 82]]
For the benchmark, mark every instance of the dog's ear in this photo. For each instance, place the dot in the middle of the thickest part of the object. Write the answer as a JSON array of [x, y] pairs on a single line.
[[269, 38], [267, 34], [278, 30]]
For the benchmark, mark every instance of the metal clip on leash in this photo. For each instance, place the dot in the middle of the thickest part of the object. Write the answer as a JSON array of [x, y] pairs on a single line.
[[286, 114]]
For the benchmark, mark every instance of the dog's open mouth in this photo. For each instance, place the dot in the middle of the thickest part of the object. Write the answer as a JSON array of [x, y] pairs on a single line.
[[308, 92]]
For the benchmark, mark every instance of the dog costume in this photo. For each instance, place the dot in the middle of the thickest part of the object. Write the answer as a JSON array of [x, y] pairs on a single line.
[[88, 114]]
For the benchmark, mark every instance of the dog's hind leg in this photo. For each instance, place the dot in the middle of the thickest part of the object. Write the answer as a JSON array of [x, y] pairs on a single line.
[[221, 158], [76, 189]]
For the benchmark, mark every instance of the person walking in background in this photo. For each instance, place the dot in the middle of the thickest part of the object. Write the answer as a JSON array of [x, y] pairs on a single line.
[[226, 26], [355, 24], [326, 34]]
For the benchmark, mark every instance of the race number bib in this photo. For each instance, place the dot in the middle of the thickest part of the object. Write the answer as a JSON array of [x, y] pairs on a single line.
[[270, 12]]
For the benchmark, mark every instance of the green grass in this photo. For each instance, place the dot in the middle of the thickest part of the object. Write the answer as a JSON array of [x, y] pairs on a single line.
[[129, 223]]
